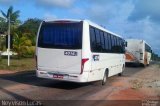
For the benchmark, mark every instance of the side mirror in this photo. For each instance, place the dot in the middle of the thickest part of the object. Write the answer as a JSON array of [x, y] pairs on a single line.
[[126, 44]]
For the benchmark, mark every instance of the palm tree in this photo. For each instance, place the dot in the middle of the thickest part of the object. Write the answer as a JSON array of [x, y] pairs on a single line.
[[13, 15]]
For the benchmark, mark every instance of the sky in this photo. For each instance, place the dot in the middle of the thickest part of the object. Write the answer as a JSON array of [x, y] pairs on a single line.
[[138, 19]]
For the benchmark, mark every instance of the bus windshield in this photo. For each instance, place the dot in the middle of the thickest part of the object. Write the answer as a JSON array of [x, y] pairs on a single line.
[[60, 35]]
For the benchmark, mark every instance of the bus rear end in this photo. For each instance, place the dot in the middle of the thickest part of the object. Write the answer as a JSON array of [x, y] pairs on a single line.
[[59, 51]]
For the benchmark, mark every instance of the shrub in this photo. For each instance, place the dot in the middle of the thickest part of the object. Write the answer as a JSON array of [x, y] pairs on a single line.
[[0, 58], [28, 51], [23, 46]]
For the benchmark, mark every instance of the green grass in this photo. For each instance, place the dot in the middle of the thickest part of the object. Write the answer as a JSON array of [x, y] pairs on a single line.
[[23, 64]]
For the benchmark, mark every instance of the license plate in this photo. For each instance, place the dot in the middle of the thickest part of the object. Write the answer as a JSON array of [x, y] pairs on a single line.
[[57, 76]]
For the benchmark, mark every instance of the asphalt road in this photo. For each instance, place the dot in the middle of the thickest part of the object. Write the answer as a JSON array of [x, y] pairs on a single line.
[[26, 86]]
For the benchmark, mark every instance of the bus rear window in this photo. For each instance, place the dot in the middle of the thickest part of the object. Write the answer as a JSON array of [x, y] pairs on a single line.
[[60, 36]]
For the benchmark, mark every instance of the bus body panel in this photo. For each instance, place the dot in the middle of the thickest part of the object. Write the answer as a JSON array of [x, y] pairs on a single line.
[[149, 57], [55, 60], [86, 53], [113, 62]]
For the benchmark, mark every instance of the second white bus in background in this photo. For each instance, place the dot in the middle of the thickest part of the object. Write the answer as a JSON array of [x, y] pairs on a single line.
[[138, 51]]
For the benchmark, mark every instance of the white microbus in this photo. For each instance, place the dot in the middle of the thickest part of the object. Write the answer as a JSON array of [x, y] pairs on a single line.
[[138, 51], [78, 51]]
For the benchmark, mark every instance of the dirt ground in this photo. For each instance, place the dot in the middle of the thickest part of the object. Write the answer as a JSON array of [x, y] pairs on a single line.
[[6, 72], [144, 84]]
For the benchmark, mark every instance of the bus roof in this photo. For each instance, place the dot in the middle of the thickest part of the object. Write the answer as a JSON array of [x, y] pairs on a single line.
[[138, 40], [89, 22]]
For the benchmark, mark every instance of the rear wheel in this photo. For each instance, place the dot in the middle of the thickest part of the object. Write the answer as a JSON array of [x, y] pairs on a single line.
[[148, 64], [143, 65], [120, 74], [104, 80]]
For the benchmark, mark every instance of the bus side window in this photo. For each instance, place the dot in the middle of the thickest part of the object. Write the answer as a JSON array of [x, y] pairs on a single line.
[[116, 44], [92, 39], [102, 41], [106, 37], [123, 45], [119, 45], [109, 43], [98, 41], [112, 44]]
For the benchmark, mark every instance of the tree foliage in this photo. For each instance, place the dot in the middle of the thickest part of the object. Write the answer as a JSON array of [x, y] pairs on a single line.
[[155, 57], [24, 35], [3, 26], [29, 29], [2, 43], [23, 46], [30, 26]]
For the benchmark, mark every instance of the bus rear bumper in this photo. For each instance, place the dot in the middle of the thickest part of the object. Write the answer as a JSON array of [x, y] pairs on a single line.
[[131, 61], [79, 78]]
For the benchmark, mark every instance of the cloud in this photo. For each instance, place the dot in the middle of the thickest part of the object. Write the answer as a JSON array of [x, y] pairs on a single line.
[[7, 2], [77, 11], [49, 16], [55, 3], [143, 29], [106, 1], [116, 16], [144, 20], [146, 8], [107, 10]]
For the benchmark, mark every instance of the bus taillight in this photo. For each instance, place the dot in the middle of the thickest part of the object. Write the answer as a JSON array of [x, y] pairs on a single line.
[[82, 64], [62, 22], [36, 62]]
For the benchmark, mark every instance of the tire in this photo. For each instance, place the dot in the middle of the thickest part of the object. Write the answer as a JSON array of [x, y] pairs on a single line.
[[143, 65], [121, 74], [104, 80]]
